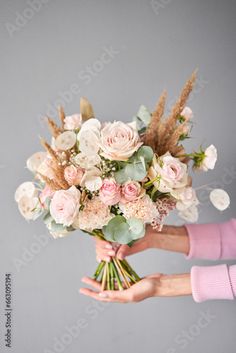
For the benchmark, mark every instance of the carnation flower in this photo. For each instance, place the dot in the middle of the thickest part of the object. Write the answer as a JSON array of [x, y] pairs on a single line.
[[72, 122], [110, 192], [168, 173], [142, 208], [64, 206], [93, 216], [119, 141]]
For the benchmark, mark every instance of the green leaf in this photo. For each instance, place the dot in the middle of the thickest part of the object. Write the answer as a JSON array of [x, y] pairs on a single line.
[[144, 114], [120, 176], [146, 152], [136, 170], [136, 227]]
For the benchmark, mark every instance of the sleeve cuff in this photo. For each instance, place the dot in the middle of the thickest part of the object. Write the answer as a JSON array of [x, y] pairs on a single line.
[[212, 283], [205, 241]]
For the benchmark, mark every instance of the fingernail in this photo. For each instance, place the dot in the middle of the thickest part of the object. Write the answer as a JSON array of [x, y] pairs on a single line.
[[108, 246], [103, 295], [111, 253]]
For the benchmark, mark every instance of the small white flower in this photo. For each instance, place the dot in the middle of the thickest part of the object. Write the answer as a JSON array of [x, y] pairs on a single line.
[[35, 160], [190, 214], [27, 189], [220, 199], [65, 141], [187, 113], [210, 158]]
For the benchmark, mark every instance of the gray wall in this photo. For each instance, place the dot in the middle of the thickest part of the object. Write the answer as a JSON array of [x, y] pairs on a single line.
[[53, 51]]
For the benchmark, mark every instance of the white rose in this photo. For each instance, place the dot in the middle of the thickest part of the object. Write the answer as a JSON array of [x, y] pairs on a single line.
[[185, 197], [119, 141], [169, 173], [210, 158], [220, 199], [89, 137]]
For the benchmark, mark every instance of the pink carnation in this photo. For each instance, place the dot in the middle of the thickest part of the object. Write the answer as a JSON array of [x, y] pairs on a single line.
[[73, 175], [110, 192]]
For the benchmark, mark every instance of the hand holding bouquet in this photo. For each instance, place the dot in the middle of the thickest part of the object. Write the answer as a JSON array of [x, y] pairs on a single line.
[[112, 179]]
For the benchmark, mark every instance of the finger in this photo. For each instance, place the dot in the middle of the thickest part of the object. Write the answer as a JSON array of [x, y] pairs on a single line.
[[103, 244], [123, 251], [92, 282], [155, 275]]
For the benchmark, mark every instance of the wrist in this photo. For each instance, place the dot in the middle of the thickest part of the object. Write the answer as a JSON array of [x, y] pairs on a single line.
[[174, 285]]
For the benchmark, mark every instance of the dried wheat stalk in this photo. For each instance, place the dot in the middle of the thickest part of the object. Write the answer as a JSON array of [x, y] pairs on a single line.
[[62, 116], [54, 129]]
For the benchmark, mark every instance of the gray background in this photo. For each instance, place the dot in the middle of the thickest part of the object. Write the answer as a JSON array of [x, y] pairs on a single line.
[[55, 53]]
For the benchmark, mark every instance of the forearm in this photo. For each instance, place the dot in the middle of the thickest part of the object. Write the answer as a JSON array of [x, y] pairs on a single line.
[[171, 238], [174, 285]]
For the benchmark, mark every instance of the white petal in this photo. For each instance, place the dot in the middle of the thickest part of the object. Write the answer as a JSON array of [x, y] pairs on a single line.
[[220, 199], [65, 141], [35, 160], [25, 189], [26, 207]]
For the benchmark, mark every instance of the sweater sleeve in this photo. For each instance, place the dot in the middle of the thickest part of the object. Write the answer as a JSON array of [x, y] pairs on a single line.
[[212, 241], [214, 282]]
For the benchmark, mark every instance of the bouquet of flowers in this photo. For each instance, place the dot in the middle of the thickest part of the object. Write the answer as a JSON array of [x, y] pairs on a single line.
[[112, 179]]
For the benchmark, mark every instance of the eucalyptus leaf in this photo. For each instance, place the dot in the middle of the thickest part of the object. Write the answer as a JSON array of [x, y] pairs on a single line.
[[144, 114], [136, 227]]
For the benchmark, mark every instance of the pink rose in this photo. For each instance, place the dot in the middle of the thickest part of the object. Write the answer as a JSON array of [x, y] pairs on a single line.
[[46, 193], [72, 122], [119, 141], [64, 206], [131, 190], [110, 192], [73, 175]]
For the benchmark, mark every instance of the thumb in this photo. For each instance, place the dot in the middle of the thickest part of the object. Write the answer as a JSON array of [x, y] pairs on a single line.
[[123, 251]]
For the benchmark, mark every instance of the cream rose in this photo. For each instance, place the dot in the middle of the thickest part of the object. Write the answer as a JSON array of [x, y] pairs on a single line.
[[65, 205], [168, 173], [119, 141]]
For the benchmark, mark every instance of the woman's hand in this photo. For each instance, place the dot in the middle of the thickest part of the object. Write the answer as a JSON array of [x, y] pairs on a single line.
[[105, 250], [151, 286], [171, 238]]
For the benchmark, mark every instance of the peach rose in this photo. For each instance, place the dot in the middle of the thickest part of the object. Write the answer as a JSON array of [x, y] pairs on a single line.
[[119, 141], [64, 206], [73, 175], [110, 192]]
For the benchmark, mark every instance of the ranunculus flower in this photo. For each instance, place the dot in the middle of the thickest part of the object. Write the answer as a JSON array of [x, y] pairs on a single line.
[[73, 175], [72, 122], [119, 141], [130, 191], [110, 192], [92, 179], [168, 173], [64, 206], [185, 197], [210, 158], [89, 137], [187, 113]]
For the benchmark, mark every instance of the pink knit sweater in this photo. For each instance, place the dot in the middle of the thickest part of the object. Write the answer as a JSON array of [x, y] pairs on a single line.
[[214, 242]]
